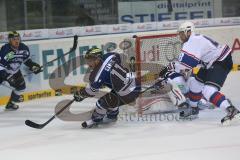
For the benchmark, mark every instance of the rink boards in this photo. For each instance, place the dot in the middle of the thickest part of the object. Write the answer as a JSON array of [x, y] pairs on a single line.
[[43, 51]]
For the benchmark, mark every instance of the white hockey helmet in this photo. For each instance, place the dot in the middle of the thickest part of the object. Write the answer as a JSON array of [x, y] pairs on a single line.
[[185, 27]]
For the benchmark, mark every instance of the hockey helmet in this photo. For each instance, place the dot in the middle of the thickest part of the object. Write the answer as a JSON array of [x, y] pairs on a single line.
[[185, 27], [94, 52], [13, 34]]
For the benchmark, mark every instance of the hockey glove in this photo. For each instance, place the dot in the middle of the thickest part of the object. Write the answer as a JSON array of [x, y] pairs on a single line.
[[167, 70], [79, 95], [3, 76], [34, 67]]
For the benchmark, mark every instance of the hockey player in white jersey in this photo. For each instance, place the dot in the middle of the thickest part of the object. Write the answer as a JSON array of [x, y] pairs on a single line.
[[107, 71], [12, 55], [215, 61]]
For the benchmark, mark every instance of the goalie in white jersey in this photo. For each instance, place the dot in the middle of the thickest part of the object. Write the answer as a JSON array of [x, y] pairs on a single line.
[[215, 63]]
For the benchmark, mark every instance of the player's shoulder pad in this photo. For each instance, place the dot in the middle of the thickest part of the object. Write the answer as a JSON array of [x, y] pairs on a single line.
[[193, 42], [116, 56], [23, 46], [195, 38], [5, 47], [106, 55]]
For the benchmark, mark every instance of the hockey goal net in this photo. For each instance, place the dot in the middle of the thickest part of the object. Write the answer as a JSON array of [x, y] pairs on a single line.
[[152, 54]]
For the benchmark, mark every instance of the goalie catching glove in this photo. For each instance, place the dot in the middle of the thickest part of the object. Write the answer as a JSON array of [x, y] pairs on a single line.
[[167, 70]]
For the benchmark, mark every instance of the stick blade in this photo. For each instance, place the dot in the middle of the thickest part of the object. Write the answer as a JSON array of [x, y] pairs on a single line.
[[33, 125]]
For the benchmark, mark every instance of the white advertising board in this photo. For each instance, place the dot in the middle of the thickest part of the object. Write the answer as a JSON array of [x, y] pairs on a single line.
[[46, 50], [117, 28]]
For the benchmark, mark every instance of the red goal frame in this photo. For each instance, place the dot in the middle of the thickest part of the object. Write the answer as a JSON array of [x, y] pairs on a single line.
[[138, 40]]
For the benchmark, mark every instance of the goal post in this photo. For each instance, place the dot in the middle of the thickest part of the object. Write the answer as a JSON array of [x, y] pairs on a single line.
[[152, 53]]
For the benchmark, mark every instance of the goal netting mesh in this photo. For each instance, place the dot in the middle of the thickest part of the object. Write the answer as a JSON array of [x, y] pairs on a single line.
[[150, 54]]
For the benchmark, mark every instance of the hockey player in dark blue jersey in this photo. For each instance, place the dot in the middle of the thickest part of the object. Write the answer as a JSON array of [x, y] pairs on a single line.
[[12, 55], [107, 71]]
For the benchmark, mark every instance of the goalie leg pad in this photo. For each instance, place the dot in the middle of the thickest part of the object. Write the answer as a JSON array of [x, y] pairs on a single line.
[[176, 95], [163, 87]]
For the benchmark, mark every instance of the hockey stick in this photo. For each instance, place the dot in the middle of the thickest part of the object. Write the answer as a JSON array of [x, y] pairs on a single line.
[[71, 50], [132, 66], [154, 86], [40, 126], [75, 42]]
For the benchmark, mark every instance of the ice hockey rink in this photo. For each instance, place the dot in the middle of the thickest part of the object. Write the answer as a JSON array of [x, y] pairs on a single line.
[[203, 138]]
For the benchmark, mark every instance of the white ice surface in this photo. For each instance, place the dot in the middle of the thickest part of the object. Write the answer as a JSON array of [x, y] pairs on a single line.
[[201, 139]]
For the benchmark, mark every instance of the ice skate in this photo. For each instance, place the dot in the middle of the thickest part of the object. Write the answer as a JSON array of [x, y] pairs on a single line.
[[233, 114], [89, 124], [11, 106]]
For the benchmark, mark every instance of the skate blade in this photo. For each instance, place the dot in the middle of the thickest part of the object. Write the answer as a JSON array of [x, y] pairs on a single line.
[[103, 124], [10, 109], [90, 126]]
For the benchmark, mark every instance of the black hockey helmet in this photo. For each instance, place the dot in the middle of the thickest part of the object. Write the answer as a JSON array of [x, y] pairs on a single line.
[[94, 52], [13, 34]]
